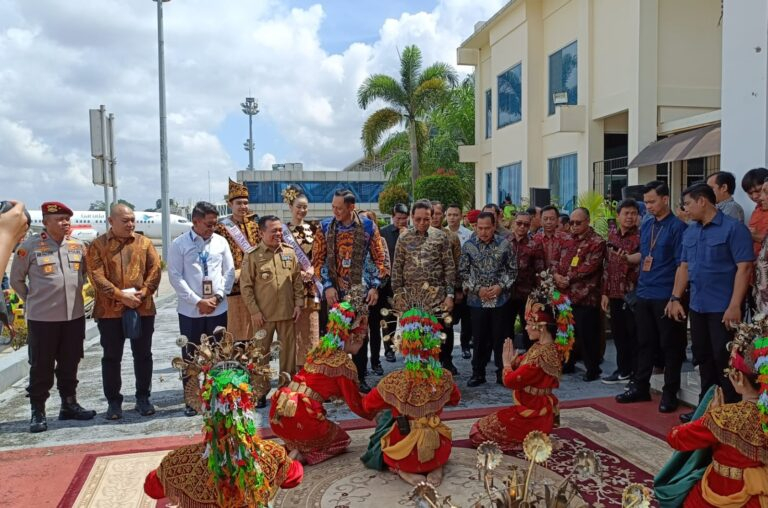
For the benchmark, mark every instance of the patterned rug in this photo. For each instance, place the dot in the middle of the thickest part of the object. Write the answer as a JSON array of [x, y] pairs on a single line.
[[627, 455]]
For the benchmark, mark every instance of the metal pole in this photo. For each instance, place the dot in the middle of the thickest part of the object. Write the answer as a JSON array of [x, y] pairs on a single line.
[[112, 158], [103, 120], [250, 142], [164, 201]]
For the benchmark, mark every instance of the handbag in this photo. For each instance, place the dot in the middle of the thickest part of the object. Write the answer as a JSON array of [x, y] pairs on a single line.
[[131, 324]]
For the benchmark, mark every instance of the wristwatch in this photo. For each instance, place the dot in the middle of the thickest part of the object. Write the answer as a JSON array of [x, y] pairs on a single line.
[[219, 298], [674, 298]]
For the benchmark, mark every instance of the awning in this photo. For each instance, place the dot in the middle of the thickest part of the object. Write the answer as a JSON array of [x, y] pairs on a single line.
[[701, 142]]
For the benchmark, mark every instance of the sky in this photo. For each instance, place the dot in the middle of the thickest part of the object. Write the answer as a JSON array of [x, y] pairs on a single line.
[[302, 60]]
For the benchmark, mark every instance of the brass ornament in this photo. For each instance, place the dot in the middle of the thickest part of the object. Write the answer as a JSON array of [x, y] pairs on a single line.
[[636, 495]]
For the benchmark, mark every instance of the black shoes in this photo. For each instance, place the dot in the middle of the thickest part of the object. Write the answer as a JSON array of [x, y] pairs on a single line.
[[633, 395], [466, 354], [71, 410], [377, 369], [476, 381], [389, 356], [38, 422], [190, 411], [668, 404], [451, 368], [144, 407], [114, 411], [569, 369], [500, 378], [589, 377], [686, 417], [364, 388]]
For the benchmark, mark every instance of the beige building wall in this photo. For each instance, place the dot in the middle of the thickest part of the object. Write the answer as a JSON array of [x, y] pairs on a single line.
[[640, 63]]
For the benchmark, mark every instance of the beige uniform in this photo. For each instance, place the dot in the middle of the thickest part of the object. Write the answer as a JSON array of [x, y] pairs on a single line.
[[271, 284]]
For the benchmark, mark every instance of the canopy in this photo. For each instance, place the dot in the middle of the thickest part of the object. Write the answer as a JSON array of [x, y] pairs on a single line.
[[701, 142]]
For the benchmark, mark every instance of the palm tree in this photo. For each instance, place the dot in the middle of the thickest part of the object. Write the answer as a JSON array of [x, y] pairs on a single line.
[[408, 101]]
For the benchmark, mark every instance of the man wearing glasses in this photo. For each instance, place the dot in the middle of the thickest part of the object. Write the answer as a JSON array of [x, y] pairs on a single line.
[[530, 261]]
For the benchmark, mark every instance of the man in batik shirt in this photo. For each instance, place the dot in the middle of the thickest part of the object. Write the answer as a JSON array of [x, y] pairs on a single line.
[[549, 238], [530, 262]]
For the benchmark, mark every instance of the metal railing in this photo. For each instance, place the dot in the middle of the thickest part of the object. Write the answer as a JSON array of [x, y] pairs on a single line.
[[609, 176]]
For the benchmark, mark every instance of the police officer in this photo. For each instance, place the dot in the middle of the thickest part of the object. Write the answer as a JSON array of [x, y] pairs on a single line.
[[48, 272], [273, 291]]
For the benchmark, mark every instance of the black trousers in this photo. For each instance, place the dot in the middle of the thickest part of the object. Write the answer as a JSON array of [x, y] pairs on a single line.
[[461, 314], [54, 347], [193, 328], [517, 309], [654, 329], [709, 337], [587, 330], [446, 348], [375, 326], [624, 335], [489, 329], [113, 343]]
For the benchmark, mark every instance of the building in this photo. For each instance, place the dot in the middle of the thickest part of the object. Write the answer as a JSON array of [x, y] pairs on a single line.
[[265, 189], [570, 92]]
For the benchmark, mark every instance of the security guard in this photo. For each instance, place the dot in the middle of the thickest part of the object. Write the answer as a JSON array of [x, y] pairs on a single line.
[[48, 272], [273, 290]]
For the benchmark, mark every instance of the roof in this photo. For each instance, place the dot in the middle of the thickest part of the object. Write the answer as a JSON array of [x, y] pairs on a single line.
[[471, 41]]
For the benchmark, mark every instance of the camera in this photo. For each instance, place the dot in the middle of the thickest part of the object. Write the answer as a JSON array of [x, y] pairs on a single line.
[[7, 205]]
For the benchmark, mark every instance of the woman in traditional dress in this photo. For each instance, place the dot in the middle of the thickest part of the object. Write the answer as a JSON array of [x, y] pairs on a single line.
[[417, 444], [736, 433], [297, 414], [233, 466], [534, 375], [300, 235]]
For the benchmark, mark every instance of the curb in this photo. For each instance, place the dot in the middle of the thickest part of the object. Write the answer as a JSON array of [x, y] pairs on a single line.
[[14, 365]]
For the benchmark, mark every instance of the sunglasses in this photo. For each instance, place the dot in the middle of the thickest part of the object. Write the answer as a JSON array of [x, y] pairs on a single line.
[[522, 223], [576, 222]]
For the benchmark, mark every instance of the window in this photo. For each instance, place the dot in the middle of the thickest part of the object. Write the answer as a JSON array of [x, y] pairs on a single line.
[[488, 114], [563, 75], [488, 188], [509, 96], [563, 181], [317, 192], [510, 183]]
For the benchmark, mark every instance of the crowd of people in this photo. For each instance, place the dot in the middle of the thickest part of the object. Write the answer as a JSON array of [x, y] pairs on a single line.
[[531, 292]]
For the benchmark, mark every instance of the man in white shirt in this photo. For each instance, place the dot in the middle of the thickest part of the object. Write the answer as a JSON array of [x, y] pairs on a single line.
[[202, 272], [460, 309]]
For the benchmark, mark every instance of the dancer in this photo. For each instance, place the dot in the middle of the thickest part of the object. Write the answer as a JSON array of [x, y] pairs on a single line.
[[534, 375], [736, 433], [233, 466], [297, 414], [417, 444]]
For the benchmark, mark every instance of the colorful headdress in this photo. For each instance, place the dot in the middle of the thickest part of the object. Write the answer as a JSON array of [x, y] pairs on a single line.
[[237, 191], [344, 321], [234, 376], [546, 304], [749, 355], [290, 194]]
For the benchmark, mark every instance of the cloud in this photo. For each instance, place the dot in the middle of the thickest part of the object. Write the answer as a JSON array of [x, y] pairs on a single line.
[[60, 59]]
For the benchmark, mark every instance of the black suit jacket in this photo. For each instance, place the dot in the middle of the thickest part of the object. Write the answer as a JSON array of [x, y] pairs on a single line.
[[390, 234]]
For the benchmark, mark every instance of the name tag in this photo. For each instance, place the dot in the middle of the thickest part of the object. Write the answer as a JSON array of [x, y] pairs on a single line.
[[346, 262], [207, 288], [647, 263], [575, 261]]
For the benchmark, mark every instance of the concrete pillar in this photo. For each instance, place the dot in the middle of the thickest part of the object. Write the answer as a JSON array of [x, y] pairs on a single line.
[[744, 142]]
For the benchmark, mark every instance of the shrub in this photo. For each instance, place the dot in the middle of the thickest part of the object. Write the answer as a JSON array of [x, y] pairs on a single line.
[[445, 188], [392, 195]]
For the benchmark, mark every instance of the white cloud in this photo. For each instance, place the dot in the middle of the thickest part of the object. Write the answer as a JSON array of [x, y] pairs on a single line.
[[60, 59]]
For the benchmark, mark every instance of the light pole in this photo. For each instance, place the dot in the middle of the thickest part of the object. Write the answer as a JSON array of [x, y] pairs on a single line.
[[164, 201], [250, 108]]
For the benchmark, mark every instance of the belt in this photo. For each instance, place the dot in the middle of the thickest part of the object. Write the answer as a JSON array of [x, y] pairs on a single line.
[[734, 473], [302, 388], [537, 391]]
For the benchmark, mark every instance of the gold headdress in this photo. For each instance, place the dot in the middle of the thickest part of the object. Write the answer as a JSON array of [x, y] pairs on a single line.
[[237, 190], [290, 194]]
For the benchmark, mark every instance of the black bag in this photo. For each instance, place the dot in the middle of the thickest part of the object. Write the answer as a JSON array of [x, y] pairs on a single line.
[[131, 324]]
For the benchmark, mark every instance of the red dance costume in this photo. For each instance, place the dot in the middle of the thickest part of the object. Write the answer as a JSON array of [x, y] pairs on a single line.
[[297, 414], [428, 445], [738, 475], [532, 380]]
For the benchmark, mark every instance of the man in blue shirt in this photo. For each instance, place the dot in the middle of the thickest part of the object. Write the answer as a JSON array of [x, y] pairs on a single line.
[[659, 257], [717, 261]]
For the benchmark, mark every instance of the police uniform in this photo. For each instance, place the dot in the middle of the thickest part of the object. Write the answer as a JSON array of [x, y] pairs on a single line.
[[271, 284], [49, 277]]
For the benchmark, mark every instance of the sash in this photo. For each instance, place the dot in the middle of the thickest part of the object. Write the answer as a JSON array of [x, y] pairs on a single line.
[[237, 236], [304, 261]]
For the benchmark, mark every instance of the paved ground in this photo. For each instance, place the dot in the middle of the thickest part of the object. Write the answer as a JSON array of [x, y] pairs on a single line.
[[167, 396]]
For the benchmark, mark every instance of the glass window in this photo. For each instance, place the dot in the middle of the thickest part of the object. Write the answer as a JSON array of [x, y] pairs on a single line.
[[317, 192], [488, 114], [488, 188], [563, 181], [509, 96], [563, 75], [510, 183]]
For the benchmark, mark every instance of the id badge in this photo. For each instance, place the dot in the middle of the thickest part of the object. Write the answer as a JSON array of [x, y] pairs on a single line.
[[207, 288], [575, 262], [346, 262], [647, 263]]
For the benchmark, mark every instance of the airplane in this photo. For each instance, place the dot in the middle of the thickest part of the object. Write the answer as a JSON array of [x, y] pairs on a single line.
[[86, 225]]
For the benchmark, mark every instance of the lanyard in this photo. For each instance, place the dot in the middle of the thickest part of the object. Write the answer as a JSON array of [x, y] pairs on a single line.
[[202, 255], [654, 237]]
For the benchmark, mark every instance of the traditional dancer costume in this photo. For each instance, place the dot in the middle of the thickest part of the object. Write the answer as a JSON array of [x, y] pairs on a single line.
[[737, 433], [534, 375], [233, 467], [417, 441], [297, 414]]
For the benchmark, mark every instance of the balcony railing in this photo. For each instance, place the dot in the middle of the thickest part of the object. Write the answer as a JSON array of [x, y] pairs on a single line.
[[609, 176]]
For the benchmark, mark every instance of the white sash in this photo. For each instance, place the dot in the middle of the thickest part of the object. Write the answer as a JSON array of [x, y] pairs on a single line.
[[237, 235]]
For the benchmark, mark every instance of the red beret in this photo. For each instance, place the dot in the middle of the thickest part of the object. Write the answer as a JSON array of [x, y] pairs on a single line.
[[472, 216], [54, 208]]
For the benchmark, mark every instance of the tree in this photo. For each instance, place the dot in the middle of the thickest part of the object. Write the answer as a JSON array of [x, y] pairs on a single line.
[[408, 100], [392, 195], [97, 206], [446, 188]]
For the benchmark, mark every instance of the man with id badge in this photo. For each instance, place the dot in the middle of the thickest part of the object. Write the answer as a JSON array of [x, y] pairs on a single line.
[[660, 250], [202, 272]]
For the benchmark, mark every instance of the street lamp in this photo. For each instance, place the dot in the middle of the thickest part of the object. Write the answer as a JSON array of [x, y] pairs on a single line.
[[164, 201], [250, 108]]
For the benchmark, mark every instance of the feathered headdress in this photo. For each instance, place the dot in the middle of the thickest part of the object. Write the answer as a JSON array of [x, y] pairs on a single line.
[[344, 320], [546, 304], [749, 355], [234, 376]]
